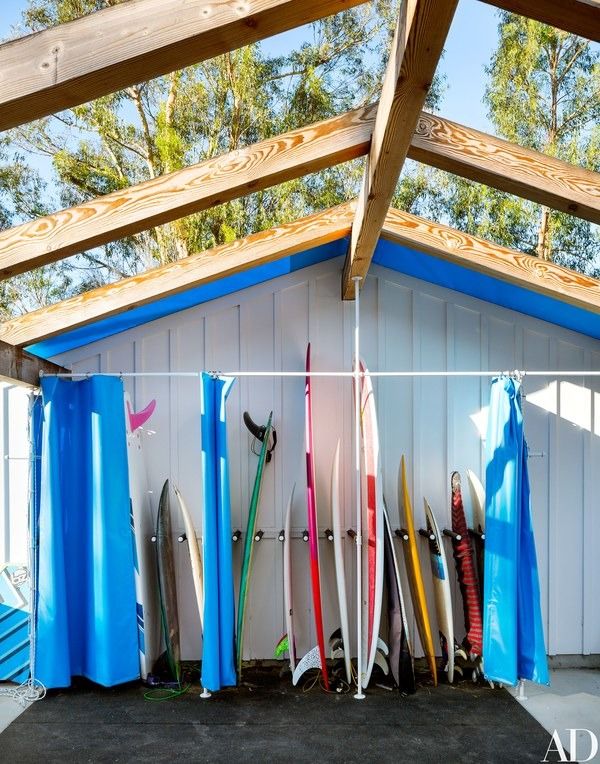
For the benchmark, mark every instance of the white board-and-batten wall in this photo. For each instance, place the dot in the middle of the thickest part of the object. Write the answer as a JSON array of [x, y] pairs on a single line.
[[405, 324]]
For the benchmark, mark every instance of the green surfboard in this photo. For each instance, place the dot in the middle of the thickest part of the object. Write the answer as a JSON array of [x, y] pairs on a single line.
[[263, 434]]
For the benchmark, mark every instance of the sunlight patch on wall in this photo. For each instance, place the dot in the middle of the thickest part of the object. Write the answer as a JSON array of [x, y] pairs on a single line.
[[572, 402]]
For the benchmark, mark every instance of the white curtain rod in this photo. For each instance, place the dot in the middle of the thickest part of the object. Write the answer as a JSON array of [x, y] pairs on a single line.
[[514, 373]]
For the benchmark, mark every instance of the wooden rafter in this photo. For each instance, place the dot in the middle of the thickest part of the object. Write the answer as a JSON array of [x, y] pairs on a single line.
[[581, 17], [503, 263], [418, 41], [132, 42], [19, 367], [409, 230], [217, 263], [506, 166], [207, 184], [437, 141]]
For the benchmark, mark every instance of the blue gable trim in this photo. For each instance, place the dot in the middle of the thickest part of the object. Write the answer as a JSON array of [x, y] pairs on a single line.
[[188, 299], [460, 279], [388, 254]]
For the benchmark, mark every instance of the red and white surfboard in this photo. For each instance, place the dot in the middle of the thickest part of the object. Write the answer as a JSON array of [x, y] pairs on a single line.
[[316, 658], [372, 530]]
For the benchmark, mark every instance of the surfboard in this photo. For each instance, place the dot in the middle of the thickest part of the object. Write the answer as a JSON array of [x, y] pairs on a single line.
[[372, 526], [194, 550], [287, 582], [316, 657], [167, 584], [401, 652], [15, 599], [142, 527], [465, 569], [264, 436], [415, 576], [338, 551], [477, 492], [441, 590]]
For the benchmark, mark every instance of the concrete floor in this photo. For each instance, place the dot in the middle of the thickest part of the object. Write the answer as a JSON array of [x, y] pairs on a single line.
[[271, 721], [9, 710], [571, 702]]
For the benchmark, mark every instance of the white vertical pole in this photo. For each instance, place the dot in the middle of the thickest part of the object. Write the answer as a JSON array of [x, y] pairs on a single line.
[[357, 279]]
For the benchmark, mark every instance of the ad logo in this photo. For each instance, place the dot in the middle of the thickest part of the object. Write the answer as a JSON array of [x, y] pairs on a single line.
[[557, 747]]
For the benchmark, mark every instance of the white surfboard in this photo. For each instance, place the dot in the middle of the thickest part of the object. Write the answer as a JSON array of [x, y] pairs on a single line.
[[195, 558], [441, 590], [477, 492], [338, 551], [143, 529], [287, 582], [372, 527]]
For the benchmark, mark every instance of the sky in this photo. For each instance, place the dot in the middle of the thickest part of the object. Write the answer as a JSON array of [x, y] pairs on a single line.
[[468, 49], [469, 46]]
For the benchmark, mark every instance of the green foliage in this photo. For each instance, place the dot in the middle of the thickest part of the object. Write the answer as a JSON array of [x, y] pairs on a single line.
[[543, 92]]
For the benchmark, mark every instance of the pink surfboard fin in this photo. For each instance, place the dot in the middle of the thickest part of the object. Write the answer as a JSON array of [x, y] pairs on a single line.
[[138, 418]]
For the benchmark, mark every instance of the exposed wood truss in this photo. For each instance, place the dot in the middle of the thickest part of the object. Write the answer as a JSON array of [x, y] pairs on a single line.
[[17, 365], [500, 164], [135, 41], [581, 17], [409, 230], [180, 193], [141, 39], [418, 41], [195, 270]]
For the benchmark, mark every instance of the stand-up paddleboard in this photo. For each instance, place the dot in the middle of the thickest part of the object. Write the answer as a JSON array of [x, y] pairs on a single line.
[[166, 583], [415, 576], [195, 558], [263, 435], [372, 526], [401, 652], [315, 658], [478, 505], [15, 599], [441, 590], [142, 526], [340, 576], [465, 569]]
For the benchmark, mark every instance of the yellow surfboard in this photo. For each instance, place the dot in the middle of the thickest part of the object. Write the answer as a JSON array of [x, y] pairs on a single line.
[[415, 577]]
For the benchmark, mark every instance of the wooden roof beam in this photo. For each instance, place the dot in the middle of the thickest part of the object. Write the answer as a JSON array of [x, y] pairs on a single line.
[[224, 260], [114, 48], [19, 367], [437, 142], [198, 187], [420, 34], [408, 230], [580, 17], [497, 163], [506, 264]]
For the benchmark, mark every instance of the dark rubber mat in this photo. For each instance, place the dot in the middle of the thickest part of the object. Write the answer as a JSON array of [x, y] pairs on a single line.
[[269, 720]]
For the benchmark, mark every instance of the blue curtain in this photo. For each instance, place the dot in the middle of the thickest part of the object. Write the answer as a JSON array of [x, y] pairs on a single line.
[[86, 613], [218, 654], [513, 637]]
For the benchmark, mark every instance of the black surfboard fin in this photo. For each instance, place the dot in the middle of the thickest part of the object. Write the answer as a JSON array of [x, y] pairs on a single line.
[[258, 431]]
